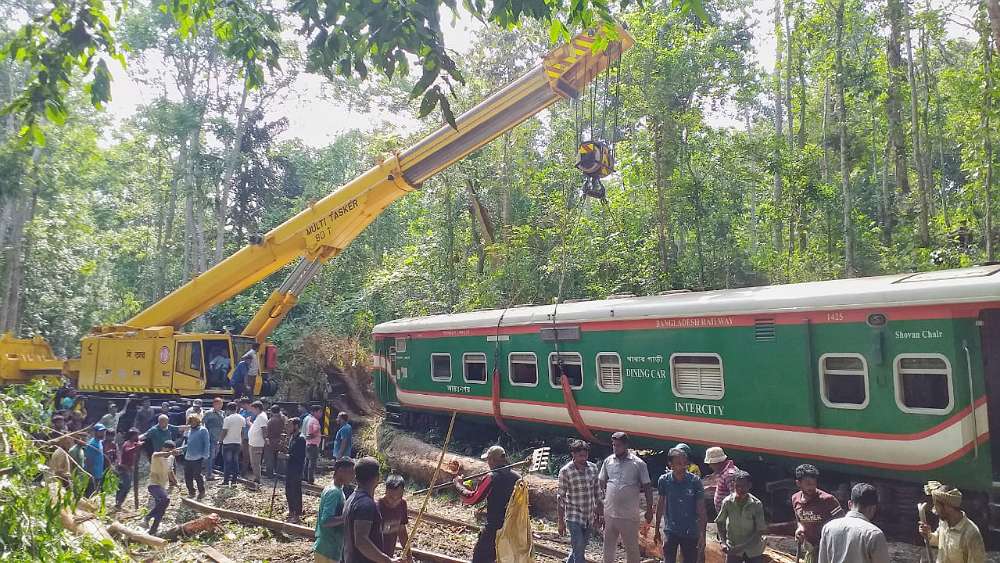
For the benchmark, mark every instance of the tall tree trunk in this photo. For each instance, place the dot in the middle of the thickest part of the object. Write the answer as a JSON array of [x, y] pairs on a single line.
[[168, 234], [845, 171], [662, 211], [923, 227], [228, 170], [779, 132], [925, 112], [939, 124], [18, 251], [893, 105], [506, 208], [987, 111], [803, 93], [824, 128], [993, 8], [788, 71]]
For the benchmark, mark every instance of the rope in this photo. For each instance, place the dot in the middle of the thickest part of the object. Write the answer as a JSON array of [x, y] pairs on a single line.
[[423, 507]]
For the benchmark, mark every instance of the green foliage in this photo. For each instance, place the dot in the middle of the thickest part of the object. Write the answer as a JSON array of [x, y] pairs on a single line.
[[30, 525], [70, 37]]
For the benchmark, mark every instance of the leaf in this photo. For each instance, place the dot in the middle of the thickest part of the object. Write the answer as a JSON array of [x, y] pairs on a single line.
[[429, 101], [449, 116], [425, 81]]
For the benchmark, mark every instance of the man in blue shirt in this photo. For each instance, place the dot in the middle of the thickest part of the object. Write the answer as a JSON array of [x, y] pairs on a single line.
[[684, 493], [343, 441], [93, 453], [197, 450]]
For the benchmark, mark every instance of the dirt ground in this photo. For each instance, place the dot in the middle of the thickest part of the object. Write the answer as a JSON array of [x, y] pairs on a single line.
[[249, 544]]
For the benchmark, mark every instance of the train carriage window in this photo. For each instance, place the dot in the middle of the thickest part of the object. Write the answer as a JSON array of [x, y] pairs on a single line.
[[697, 376], [844, 381], [609, 372], [441, 367], [523, 369], [923, 383], [569, 362], [474, 367]]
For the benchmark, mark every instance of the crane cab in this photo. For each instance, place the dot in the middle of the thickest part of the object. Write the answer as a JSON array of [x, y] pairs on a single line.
[[159, 360]]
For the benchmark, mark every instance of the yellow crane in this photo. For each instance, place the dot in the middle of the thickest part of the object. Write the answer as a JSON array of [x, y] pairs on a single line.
[[150, 354]]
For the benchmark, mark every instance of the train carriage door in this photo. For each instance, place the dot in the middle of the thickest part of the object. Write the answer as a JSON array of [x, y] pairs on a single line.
[[990, 334]]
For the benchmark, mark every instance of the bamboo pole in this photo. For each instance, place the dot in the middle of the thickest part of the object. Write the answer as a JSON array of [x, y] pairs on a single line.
[[423, 507]]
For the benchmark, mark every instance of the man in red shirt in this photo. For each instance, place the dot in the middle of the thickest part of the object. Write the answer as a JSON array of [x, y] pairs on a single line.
[[125, 469], [813, 508], [392, 505]]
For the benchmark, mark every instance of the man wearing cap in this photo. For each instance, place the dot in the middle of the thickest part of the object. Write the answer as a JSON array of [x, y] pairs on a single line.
[[957, 538], [498, 486], [194, 409], [622, 477], [723, 468]]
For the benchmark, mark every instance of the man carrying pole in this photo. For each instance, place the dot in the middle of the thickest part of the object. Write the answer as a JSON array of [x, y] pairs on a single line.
[[497, 487], [957, 538]]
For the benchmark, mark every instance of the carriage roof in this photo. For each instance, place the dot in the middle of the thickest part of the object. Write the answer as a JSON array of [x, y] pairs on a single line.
[[963, 285]]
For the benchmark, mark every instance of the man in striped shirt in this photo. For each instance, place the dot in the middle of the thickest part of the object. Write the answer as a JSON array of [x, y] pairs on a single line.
[[724, 469], [578, 499]]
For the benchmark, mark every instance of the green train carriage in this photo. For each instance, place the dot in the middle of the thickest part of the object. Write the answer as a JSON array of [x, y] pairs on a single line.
[[888, 377]]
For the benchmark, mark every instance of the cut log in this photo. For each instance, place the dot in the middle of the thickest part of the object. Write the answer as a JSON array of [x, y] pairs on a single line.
[[192, 527], [117, 528], [417, 460]]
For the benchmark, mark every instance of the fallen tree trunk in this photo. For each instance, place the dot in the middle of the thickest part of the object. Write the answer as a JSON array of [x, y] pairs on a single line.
[[417, 460], [117, 528]]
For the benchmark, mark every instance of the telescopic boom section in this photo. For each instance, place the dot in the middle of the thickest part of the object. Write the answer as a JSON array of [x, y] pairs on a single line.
[[325, 228]]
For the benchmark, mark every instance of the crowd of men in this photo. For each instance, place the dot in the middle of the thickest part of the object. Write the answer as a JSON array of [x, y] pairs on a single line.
[[353, 527], [241, 437], [608, 496]]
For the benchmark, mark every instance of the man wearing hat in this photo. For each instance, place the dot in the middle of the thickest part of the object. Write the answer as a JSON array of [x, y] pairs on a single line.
[[724, 469], [622, 477], [194, 409], [498, 487], [957, 538]]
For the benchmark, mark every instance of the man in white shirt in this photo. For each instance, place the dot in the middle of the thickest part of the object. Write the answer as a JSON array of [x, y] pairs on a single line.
[[853, 538], [253, 371], [231, 440], [257, 438], [623, 477]]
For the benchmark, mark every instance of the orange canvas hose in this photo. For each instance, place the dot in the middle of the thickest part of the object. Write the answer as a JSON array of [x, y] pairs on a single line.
[[574, 414], [495, 396]]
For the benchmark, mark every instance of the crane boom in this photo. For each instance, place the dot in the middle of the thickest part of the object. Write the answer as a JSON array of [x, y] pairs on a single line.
[[322, 230]]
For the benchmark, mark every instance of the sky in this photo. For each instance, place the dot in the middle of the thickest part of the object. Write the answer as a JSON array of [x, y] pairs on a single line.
[[316, 117]]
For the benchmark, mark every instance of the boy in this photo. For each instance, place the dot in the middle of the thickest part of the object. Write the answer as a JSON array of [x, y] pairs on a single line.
[[329, 546], [741, 523], [125, 469], [394, 515], [161, 477]]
